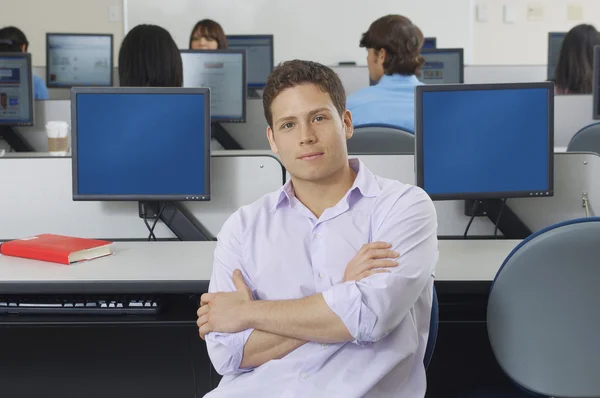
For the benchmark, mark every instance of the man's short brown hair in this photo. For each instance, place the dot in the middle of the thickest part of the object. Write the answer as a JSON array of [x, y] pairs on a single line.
[[402, 41], [289, 74]]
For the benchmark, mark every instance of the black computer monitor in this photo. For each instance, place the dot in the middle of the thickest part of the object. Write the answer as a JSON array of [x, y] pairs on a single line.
[[141, 144], [430, 42], [596, 84], [260, 56], [555, 41], [485, 141], [75, 59], [224, 72], [16, 90], [442, 66]]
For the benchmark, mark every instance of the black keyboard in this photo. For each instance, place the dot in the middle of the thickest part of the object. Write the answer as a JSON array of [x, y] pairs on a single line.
[[80, 305]]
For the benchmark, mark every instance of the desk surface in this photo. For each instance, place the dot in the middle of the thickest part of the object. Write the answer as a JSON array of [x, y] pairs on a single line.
[[187, 266]]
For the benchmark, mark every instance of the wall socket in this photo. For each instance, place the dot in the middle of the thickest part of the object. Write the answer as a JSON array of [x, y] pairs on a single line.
[[575, 12], [114, 13], [535, 11]]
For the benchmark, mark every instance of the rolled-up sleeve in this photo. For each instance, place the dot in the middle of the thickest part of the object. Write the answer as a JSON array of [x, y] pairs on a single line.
[[227, 349], [373, 307]]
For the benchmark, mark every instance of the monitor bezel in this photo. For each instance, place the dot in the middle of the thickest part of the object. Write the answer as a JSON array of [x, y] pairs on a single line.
[[431, 39], [461, 56], [219, 119], [139, 90], [596, 83], [549, 76], [420, 90], [50, 84], [31, 116], [271, 38]]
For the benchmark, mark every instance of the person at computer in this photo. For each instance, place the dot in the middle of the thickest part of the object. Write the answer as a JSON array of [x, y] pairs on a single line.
[[149, 57], [574, 70], [13, 39], [393, 46], [324, 287], [208, 35]]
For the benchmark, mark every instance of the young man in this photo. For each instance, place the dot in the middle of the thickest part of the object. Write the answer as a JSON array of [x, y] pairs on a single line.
[[393, 46], [324, 287], [19, 43]]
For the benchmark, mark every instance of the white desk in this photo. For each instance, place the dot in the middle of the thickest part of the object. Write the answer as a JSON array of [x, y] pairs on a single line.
[[177, 266]]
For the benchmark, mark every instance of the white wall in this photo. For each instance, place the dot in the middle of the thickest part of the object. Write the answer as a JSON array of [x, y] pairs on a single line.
[[327, 31], [524, 42], [38, 17]]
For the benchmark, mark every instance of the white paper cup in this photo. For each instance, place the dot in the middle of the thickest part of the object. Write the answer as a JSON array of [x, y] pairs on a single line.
[[58, 137]]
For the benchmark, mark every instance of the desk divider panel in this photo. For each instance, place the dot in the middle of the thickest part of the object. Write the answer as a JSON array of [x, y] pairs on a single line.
[[37, 198], [571, 114]]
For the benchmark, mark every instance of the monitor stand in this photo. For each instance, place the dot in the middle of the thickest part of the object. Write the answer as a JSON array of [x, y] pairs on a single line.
[[223, 137], [254, 93], [179, 220], [509, 224], [15, 140]]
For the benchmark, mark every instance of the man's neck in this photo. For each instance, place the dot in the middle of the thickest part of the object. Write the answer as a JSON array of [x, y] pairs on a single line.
[[318, 196]]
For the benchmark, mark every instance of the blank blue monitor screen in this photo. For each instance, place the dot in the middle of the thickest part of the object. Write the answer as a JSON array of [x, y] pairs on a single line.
[[141, 146], [259, 50], [485, 143], [442, 67], [430, 42]]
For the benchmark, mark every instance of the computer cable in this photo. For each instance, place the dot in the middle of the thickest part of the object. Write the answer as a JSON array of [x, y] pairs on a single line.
[[499, 215], [145, 218], [162, 207], [473, 210]]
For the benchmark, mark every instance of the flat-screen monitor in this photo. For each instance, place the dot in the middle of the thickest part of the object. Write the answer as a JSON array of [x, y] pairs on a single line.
[[430, 42], [80, 60], [224, 72], [260, 56], [596, 84], [485, 141], [555, 41], [16, 90], [442, 66], [141, 143]]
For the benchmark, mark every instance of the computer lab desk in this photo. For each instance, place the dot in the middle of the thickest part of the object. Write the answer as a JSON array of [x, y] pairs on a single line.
[[150, 356]]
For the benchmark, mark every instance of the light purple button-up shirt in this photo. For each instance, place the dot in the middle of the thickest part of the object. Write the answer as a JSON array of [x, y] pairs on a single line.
[[285, 252]]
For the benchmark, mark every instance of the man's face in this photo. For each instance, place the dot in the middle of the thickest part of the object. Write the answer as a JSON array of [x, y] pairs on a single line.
[[375, 61], [308, 133]]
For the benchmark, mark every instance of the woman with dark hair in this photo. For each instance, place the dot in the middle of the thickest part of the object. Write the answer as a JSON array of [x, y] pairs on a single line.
[[394, 58], [574, 71], [208, 35], [150, 58]]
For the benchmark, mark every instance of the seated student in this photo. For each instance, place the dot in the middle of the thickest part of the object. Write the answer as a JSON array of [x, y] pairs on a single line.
[[394, 57], [14, 40], [149, 57], [324, 287], [574, 70], [208, 35]]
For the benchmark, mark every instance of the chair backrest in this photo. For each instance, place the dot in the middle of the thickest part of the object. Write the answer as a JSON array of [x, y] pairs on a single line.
[[381, 139], [433, 330], [543, 319], [586, 140]]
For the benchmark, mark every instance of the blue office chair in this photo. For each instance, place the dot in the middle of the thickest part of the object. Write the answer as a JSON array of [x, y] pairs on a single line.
[[586, 140], [433, 330], [543, 318], [371, 139]]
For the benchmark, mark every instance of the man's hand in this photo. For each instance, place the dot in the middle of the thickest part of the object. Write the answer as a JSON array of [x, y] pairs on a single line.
[[224, 312], [369, 257]]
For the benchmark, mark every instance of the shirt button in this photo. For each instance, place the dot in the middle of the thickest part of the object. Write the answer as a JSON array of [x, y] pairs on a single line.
[[324, 345], [305, 375], [318, 236], [321, 275]]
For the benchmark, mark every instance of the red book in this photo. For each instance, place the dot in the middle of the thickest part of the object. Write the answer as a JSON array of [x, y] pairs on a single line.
[[57, 248]]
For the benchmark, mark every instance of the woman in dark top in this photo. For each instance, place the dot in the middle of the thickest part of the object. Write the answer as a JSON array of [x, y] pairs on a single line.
[[574, 71], [208, 35]]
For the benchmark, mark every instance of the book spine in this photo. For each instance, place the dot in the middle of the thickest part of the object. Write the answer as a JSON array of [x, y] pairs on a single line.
[[34, 254]]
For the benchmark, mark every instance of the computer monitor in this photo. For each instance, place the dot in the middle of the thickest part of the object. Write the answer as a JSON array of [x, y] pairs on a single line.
[[74, 59], [555, 41], [224, 72], [442, 66], [141, 143], [16, 90], [260, 56], [485, 141], [596, 84], [430, 42]]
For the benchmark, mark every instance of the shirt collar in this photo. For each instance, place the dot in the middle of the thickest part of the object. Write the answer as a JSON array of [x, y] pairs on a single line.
[[365, 182], [398, 79]]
